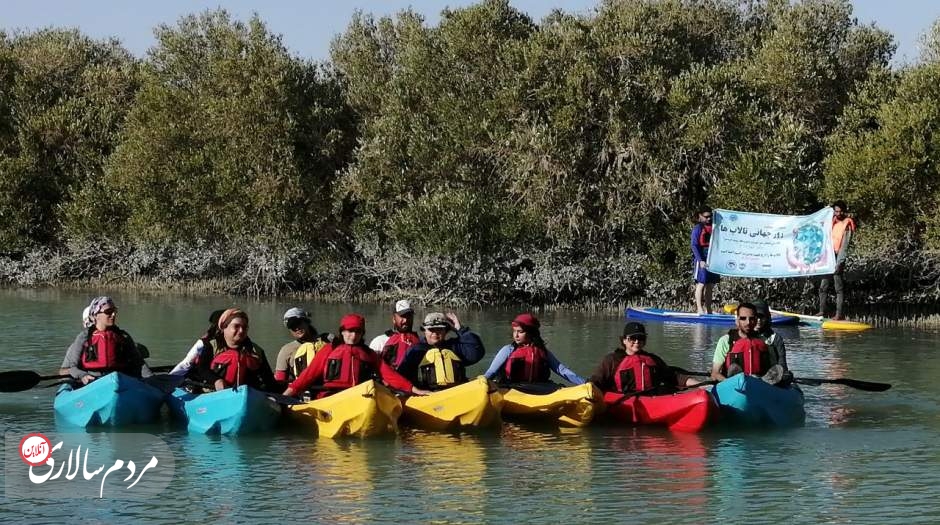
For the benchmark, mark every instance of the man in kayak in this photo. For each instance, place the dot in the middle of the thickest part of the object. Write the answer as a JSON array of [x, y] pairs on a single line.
[[393, 344], [435, 362], [743, 349], [631, 368], [346, 363], [526, 359], [842, 229], [704, 279], [102, 347], [296, 355]]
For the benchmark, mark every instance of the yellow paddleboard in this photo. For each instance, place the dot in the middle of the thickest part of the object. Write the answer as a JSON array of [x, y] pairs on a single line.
[[815, 320]]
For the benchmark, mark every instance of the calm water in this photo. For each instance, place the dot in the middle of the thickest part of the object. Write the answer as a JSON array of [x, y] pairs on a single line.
[[861, 458]]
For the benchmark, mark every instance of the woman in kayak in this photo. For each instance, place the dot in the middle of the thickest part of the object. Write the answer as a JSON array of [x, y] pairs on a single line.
[[236, 360], [526, 359], [102, 347], [205, 346], [631, 368], [778, 373], [342, 365]]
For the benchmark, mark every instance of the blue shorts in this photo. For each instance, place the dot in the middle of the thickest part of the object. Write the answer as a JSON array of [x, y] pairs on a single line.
[[703, 276]]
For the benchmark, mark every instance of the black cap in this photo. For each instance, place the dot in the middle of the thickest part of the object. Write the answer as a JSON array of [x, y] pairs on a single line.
[[762, 307], [633, 328]]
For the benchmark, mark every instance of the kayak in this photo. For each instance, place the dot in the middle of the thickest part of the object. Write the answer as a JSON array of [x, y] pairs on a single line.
[[752, 401], [660, 314], [686, 411], [115, 399], [817, 321], [365, 410], [229, 412], [474, 404], [574, 406]]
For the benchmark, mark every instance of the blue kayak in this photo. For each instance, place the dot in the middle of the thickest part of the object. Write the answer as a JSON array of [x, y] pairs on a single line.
[[660, 314], [115, 399], [232, 411], [752, 401]]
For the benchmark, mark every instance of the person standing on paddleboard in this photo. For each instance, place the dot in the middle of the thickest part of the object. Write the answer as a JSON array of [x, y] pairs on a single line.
[[704, 279]]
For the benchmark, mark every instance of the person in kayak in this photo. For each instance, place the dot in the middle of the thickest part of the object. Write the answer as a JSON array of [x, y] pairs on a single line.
[[842, 229], [102, 347], [631, 368], [393, 344], [527, 359], [742, 349], [206, 341], [778, 350], [435, 362], [704, 279], [296, 355], [237, 360], [344, 364]]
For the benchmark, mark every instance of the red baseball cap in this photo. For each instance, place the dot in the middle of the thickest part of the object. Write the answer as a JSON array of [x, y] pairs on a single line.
[[526, 320], [352, 322]]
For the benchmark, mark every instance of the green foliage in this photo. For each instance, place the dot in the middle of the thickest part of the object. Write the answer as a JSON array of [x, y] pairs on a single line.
[[230, 139], [63, 99]]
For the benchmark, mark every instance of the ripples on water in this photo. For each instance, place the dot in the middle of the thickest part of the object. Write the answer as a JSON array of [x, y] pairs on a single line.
[[862, 457]]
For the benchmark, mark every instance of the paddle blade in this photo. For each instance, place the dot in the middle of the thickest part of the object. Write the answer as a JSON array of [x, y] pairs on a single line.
[[867, 386], [18, 380]]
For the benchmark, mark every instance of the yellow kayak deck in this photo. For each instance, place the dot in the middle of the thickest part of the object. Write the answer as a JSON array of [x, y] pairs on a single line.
[[474, 404], [367, 409], [573, 406]]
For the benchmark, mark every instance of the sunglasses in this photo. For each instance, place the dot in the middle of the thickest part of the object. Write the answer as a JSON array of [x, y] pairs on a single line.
[[295, 322], [109, 312], [636, 338], [745, 318]]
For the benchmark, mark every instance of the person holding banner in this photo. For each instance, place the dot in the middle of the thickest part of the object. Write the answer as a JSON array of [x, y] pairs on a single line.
[[842, 229], [704, 279]]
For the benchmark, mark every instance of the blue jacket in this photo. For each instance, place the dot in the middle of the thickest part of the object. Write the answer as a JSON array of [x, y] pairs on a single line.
[[467, 345], [499, 362]]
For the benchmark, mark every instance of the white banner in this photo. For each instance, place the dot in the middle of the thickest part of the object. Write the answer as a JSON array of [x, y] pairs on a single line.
[[771, 246]]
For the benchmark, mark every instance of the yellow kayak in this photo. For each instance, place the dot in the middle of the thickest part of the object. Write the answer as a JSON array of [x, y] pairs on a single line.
[[365, 410], [571, 406], [474, 404], [816, 321]]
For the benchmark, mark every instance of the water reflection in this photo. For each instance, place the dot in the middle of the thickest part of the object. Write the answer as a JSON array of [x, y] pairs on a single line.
[[669, 468]]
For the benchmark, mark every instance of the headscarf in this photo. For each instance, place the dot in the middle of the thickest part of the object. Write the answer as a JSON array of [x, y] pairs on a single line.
[[230, 314], [95, 307], [87, 321]]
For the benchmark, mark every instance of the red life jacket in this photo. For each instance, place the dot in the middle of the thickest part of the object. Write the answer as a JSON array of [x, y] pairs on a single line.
[[705, 236], [393, 352], [233, 365], [635, 373], [527, 364], [104, 351], [347, 366], [750, 353]]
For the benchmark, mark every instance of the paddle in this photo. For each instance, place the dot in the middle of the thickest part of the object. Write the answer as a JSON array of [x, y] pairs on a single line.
[[867, 386], [19, 380], [533, 388], [651, 391]]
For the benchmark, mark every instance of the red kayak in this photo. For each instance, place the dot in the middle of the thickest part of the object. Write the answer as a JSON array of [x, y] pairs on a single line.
[[686, 411]]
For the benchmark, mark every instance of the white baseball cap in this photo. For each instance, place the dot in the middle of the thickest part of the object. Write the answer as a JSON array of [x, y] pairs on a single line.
[[403, 307]]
